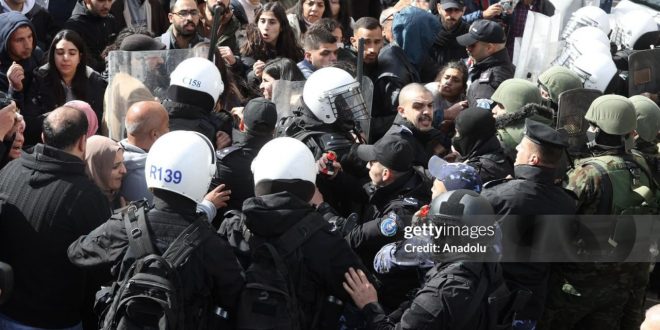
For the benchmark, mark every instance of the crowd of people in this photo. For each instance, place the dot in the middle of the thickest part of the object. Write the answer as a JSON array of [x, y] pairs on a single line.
[[326, 164]]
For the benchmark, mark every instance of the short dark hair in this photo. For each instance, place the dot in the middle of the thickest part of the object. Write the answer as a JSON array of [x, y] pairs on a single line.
[[368, 23], [329, 24], [63, 127], [550, 156], [317, 35]]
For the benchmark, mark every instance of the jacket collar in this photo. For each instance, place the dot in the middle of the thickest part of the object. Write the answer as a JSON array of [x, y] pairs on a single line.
[[535, 173]]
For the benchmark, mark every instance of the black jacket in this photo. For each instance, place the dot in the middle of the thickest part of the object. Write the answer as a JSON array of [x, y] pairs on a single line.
[[211, 272], [490, 161], [445, 48], [450, 299], [423, 143], [389, 211], [50, 203], [487, 75], [193, 118], [234, 169], [40, 99], [532, 192], [326, 255], [394, 72], [98, 32]]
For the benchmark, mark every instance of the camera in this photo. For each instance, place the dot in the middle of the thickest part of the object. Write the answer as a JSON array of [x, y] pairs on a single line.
[[507, 6], [5, 100]]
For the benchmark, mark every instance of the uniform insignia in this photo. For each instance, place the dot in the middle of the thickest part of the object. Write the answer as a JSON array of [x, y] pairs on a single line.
[[220, 154], [388, 226], [484, 103], [485, 76], [411, 201]]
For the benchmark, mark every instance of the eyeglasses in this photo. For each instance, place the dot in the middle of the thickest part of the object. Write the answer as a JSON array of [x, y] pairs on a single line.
[[185, 13]]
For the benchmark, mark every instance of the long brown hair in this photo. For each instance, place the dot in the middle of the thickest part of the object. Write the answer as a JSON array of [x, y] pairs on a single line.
[[286, 45]]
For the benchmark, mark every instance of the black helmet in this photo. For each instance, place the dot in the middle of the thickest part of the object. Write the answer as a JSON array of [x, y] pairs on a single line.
[[458, 205]]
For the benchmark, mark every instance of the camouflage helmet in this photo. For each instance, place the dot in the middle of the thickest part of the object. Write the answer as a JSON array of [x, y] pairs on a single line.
[[557, 80], [648, 117], [514, 93], [613, 114]]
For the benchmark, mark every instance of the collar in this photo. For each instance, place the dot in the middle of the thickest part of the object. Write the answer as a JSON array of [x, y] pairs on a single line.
[[535, 173], [498, 58]]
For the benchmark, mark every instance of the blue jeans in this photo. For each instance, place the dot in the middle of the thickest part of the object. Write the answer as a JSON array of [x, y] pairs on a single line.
[[8, 324]]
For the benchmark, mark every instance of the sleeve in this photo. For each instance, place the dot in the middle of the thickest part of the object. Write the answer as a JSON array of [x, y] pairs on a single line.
[[105, 245], [584, 182], [473, 16], [226, 273]]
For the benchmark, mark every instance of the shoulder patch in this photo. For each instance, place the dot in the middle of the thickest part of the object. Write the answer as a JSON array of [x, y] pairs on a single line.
[[221, 154], [388, 226], [485, 76], [485, 104], [411, 201]]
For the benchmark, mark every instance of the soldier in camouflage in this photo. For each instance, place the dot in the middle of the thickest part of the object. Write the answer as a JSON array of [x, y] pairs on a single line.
[[593, 295], [648, 125]]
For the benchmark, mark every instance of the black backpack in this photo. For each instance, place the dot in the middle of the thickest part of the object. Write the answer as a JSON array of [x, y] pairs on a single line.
[[269, 299], [149, 295]]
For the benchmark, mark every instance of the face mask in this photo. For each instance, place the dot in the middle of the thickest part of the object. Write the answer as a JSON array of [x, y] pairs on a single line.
[[457, 142]]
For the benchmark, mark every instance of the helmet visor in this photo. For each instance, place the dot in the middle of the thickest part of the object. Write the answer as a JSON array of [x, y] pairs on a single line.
[[347, 102]]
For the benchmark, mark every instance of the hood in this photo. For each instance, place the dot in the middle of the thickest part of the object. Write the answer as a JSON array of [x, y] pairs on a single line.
[[272, 215], [9, 22], [414, 30], [48, 164], [134, 157], [533, 111], [27, 6]]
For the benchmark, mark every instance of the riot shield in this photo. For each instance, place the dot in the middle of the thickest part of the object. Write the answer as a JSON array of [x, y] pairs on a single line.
[[539, 45], [573, 105], [144, 74], [644, 72]]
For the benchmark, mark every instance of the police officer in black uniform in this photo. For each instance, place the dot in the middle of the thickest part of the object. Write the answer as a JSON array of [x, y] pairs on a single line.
[[456, 291], [485, 43], [258, 127], [395, 193], [532, 191], [414, 122]]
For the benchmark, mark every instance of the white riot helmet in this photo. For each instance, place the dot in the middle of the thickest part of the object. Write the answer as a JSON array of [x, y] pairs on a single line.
[[587, 16], [198, 74], [182, 162], [588, 33], [573, 50], [631, 26], [332, 93], [284, 158], [596, 70]]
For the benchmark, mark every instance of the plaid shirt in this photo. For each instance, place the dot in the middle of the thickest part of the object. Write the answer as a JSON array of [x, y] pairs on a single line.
[[517, 26]]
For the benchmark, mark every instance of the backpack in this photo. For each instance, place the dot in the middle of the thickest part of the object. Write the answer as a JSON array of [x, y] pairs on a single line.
[[269, 299], [149, 295]]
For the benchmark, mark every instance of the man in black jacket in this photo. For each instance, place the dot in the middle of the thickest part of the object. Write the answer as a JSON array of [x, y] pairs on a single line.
[[446, 48], [284, 175], [19, 55], [41, 20], [92, 20], [50, 202], [180, 166], [485, 43], [414, 122], [258, 127], [532, 192]]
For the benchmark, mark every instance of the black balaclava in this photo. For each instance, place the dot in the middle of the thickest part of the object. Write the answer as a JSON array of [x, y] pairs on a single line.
[[475, 126]]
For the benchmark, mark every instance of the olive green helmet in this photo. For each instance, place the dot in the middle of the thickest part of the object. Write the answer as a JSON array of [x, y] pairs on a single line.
[[613, 114], [648, 117], [557, 80], [514, 93]]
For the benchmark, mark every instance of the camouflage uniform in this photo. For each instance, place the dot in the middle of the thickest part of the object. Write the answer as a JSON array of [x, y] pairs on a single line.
[[593, 295]]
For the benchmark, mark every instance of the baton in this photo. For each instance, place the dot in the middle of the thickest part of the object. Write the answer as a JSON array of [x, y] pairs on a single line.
[[360, 61], [214, 31]]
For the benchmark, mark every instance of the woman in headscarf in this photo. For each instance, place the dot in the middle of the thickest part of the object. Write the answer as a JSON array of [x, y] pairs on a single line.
[[104, 164]]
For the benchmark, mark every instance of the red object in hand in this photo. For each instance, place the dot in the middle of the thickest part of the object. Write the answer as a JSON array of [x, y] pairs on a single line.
[[331, 156], [424, 211]]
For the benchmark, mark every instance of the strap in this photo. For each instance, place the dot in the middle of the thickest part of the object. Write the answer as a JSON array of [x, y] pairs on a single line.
[[139, 239], [299, 233], [189, 239]]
